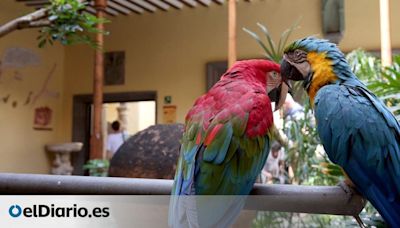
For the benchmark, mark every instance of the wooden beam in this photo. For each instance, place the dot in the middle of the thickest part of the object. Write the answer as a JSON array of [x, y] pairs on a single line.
[[231, 32], [157, 3], [90, 10], [190, 3], [128, 5], [108, 10], [204, 2], [27, 0], [220, 2], [174, 3], [38, 3], [118, 8], [386, 49], [111, 12], [143, 4]]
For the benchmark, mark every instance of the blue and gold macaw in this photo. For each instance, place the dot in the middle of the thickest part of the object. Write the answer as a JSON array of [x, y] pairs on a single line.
[[357, 130]]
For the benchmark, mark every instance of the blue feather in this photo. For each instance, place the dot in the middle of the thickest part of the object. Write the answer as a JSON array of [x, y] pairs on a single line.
[[358, 132], [364, 141]]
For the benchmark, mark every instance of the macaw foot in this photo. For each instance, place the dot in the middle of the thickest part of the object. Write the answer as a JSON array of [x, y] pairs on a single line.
[[359, 221], [348, 188]]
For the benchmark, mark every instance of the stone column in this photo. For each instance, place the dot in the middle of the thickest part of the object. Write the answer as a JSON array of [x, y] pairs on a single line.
[[104, 128], [123, 115]]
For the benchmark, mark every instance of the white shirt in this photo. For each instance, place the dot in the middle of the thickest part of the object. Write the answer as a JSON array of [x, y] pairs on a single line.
[[272, 164], [114, 141]]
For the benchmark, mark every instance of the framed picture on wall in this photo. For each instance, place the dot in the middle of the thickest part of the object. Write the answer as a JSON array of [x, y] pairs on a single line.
[[214, 72], [43, 118], [114, 68]]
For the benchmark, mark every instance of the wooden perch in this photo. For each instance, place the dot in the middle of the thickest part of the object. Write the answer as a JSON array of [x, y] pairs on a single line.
[[289, 198]]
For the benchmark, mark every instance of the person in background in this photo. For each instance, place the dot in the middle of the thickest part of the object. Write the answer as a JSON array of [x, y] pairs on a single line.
[[291, 110], [115, 139], [274, 168]]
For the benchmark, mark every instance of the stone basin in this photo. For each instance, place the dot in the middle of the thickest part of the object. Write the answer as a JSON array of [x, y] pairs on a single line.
[[64, 147], [61, 152]]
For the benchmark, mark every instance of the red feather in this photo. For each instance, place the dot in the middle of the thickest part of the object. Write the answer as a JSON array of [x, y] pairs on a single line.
[[241, 91], [210, 137]]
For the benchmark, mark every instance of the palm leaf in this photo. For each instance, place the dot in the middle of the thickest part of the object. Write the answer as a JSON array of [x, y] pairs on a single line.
[[286, 34], [384, 82], [272, 51], [259, 41], [269, 39]]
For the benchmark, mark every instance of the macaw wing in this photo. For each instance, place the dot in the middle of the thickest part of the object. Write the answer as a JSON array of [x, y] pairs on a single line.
[[224, 160], [234, 169], [226, 163], [359, 135]]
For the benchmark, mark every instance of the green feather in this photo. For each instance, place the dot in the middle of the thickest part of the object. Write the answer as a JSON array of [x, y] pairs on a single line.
[[217, 149], [239, 125]]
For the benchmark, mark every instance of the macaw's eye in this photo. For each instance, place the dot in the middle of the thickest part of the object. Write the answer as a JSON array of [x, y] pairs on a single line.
[[298, 56], [274, 74]]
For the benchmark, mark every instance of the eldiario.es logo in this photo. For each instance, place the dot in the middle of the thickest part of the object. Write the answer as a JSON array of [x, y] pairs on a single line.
[[41, 210]]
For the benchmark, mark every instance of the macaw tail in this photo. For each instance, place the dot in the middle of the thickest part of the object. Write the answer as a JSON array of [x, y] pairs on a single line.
[[380, 193], [389, 209], [194, 211]]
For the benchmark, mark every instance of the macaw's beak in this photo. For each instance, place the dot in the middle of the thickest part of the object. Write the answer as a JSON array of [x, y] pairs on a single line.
[[288, 71], [278, 94]]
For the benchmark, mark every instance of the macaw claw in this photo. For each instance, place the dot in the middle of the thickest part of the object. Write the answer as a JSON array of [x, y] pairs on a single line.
[[347, 188]]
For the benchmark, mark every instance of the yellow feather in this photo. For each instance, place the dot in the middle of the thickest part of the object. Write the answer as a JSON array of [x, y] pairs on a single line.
[[323, 73]]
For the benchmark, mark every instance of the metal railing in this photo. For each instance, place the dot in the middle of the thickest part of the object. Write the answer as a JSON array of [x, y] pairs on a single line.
[[288, 198]]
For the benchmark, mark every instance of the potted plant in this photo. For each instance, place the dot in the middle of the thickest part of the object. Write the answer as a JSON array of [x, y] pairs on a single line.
[[97, 167]]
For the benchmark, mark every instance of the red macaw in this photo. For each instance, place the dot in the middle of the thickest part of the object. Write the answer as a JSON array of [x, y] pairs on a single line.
[[228, 133]]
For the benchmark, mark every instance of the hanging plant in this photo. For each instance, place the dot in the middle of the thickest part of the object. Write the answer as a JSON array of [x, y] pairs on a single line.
[[62, 20], [70, 24]]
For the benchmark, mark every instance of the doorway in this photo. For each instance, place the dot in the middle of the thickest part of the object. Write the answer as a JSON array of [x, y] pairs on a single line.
[[141, 111], [134, 115]]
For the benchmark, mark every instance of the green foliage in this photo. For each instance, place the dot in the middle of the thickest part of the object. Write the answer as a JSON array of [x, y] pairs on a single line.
[[272, 51], [300, 220], [366, 66], [384, 82], [273, 219], [371, 218], [69, 24], [97, 167], [388, 87], [310, 165]]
